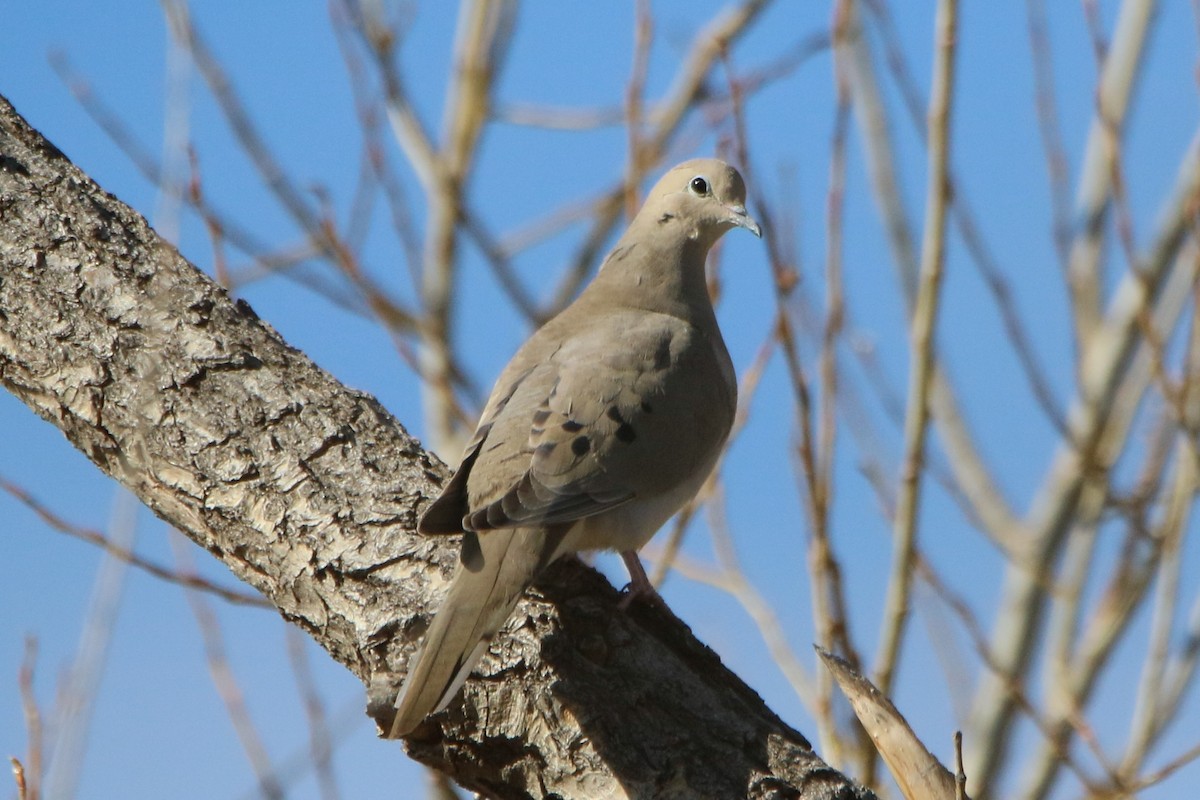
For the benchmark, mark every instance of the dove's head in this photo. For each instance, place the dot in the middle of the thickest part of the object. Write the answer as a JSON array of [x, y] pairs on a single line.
[[706, 196]]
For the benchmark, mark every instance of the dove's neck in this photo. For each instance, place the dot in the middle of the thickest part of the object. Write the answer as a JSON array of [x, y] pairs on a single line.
[[659, 273]]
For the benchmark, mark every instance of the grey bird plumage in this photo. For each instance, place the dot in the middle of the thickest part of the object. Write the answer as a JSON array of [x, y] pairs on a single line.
[[606, 422]]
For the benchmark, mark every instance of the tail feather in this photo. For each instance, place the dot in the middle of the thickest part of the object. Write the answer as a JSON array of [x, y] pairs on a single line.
[[493, 571]]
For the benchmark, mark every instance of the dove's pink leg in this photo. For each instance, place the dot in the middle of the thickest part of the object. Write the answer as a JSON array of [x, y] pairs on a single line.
[[640, 586]]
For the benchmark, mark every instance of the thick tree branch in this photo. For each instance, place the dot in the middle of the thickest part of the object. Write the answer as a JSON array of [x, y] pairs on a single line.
[[309, 492]]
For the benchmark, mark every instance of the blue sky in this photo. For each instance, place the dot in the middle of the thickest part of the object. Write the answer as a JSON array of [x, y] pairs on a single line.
[[159, 728]]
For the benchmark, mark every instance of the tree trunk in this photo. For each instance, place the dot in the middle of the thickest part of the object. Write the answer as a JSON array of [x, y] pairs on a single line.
[[309, 492]]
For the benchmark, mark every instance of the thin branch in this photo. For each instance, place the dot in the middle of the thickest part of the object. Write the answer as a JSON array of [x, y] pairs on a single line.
[[235, 112], [835, 305], [1168, 769], [960, 775], [146, 162], [1121, 63], [964, 218], [321, 232], [18, 771], [320, 738], [970, 473], [1182, 670], [821, 482], [635, 88], [924, 320], [959, 607], [97, 538], [484, 27], [29, 773], [225, 682], [369, 109], [1148, 721], [78, 692], [828, 601], [407, 128], [729, 578], [1047, 110], [828, 605]]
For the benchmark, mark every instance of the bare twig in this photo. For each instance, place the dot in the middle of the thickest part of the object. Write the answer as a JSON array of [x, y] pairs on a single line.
[[78, 692], [918, 773], [635, 87], [923, 326], [484, 27], [368, 107], [964, 218], [407, 128], [320, 740], [1047, 110], [1168, 769], [970, 473], [960, 608], [18, 771], [1149, 719], [835, 306], [960, 776], [1121, 63], [235, 111], [145, 161], [821, 482], [1181, 670], [29, 774], [730, 579], [316, 227], [828, 601], [97, 538], [226, 682]]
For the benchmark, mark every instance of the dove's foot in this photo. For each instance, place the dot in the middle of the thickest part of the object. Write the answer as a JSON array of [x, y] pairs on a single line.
[[640, 587]]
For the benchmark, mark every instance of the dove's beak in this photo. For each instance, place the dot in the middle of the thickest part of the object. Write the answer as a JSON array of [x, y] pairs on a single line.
[[741, 219]]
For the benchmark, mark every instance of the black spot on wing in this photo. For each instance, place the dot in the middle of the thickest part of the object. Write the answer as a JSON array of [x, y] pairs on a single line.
[[580, 445], [571, 426], [625, 432]]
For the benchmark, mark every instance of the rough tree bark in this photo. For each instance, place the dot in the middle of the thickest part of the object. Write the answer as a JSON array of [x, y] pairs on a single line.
[[309, 492]]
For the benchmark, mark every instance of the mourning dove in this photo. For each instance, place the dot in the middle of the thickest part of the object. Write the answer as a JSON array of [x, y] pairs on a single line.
[[606, 421]]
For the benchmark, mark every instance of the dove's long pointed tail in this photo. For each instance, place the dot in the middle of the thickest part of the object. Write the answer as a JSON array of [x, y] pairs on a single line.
[[493, 571]]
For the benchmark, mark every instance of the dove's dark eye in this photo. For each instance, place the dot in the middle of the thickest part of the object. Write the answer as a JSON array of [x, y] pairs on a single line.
[[699, 186]]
